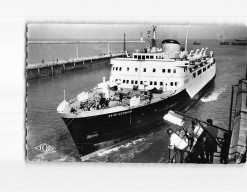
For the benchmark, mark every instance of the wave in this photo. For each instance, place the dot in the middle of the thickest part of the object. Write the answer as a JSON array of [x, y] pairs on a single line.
[[53, 157], [215, 95], [127, 145]]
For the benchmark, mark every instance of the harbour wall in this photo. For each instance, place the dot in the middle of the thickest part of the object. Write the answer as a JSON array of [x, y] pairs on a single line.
[[57, 67], [237, 150]]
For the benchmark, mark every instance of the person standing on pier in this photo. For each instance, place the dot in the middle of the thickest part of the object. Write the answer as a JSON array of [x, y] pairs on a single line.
[[210, 144]]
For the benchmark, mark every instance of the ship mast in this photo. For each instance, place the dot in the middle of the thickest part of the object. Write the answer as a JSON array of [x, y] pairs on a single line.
[[186, 40], [153, 46], [124, 46]]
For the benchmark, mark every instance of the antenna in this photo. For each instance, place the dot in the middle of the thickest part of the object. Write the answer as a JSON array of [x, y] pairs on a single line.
[[141, 37], [64, 94], [186, 39], [124, 44]]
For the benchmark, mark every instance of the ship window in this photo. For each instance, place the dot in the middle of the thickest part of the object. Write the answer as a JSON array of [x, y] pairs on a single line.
[[156, 57], [136, 82], [155, 83], [147, 57], [154, 70], [151, 57], [128, 68], [144, 69], [171, 83], [132, 81], [113, 68], [186, 63], [123, 81], [163, 70], [194, 75], [127, 81], [176, 83], [208, 66], [141, 82], [151, 82], [117, 68], [120, 68], [116, 80], [136, 69], [199, 72], [174, 70], [143, 57], [139, 57], [169, 70], [135, 56], [204, 69], [161, 83]]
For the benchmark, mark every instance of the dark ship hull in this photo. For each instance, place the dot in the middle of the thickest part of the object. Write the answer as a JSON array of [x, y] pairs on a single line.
[[224, 43], [196, 43], [89, 133], [241, 43]]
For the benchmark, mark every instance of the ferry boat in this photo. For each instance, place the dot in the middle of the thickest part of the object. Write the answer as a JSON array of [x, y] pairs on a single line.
[[196, 43], [224, 43], [141, 89]]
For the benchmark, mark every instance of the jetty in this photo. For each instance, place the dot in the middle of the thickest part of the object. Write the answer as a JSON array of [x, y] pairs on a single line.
[[237, 150], [43, 69]]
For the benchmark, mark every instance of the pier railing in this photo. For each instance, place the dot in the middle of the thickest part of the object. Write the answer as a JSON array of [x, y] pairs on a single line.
[[59, 66]]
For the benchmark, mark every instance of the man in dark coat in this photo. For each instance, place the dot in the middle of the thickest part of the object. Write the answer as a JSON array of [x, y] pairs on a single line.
[[210, 144]]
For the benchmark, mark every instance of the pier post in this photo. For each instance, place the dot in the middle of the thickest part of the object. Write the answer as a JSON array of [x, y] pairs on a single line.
[[82, 62], [91, 61], [74, 63], [52, 70], [230, 117], [38, 72], [64, 67]]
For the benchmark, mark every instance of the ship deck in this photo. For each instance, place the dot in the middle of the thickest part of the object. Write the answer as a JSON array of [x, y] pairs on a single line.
[[89, 107]]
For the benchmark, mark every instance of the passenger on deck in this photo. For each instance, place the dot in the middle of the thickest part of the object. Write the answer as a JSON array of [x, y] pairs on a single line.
[[210, 144], [73, 110], [150, 97], [102, 102], [120, 97]]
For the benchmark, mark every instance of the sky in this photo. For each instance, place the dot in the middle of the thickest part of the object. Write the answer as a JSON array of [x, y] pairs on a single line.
[[111, 31]]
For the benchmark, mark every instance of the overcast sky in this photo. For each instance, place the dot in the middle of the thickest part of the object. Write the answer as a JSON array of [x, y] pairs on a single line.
[[53, 31]]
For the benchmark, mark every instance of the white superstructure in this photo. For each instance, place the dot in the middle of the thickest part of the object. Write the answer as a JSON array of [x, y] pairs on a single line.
[[169, 70]]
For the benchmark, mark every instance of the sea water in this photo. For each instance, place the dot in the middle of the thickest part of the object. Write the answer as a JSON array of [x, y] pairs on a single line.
[[44, 125]]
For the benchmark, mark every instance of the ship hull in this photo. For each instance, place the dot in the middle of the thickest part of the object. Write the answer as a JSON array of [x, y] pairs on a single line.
[[224, 43], [89, 132]]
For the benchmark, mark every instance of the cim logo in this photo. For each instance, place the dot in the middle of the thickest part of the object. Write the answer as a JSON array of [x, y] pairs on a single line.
[[46, 148]]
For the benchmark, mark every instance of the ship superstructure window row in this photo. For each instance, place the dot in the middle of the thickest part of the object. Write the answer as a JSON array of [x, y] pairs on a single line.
[[145, 69], [143, 57], [142, 82]]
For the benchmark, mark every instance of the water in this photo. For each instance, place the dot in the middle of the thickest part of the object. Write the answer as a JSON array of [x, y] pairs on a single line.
[[45, 94]]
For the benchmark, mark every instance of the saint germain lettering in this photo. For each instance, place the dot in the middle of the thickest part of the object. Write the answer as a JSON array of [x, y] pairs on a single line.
[[119, 113]]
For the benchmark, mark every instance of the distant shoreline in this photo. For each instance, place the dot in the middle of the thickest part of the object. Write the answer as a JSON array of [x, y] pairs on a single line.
[[80, 42]]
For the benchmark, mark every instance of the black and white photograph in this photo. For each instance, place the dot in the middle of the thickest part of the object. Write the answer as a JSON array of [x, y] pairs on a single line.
[[123, 96], [136, 93]]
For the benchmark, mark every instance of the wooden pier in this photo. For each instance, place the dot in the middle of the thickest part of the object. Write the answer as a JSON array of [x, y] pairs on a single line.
[[57, 67]]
